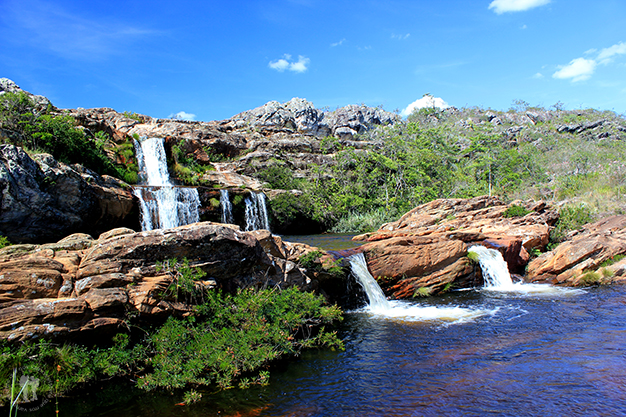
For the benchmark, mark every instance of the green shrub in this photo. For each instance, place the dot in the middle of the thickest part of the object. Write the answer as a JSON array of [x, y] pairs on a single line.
[[570, 218], [230, 338], [362, 222], [4, 242], [515, 211], [590, 278], [613, 260]]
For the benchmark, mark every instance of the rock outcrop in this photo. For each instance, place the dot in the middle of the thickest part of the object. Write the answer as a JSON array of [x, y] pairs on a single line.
[[44, 200], [79, 284], [590, 256], [425, 251]]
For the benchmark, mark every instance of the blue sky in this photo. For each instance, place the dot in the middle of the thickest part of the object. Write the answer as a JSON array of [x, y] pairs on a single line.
[[212, 60]]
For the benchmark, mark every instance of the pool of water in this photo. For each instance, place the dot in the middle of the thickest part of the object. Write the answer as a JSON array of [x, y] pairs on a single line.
[[328, 241], [515, 353]]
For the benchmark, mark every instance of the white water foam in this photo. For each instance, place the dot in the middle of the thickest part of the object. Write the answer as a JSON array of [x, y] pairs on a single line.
[[498, 279], [227, 207], [256, 212], [380, 307], [163, 205]]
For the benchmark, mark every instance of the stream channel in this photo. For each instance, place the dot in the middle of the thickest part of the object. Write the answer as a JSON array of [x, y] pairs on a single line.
[[480, 352]]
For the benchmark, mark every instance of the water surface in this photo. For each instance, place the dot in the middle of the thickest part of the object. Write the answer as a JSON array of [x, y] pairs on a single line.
[[526, 354]]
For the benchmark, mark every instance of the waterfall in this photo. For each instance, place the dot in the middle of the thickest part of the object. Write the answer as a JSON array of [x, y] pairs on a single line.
[[377, 299], [256, 212], [162, 204], [403, 310], [495, 270], [227, 207]]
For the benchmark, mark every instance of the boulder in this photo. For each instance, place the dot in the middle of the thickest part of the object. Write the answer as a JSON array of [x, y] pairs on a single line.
[[586, 257], [425, 251], [406, 267]]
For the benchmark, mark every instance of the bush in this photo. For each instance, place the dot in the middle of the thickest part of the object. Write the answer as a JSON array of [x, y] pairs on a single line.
[[230, 339], [515, 211], [362, 222], [570, 218]]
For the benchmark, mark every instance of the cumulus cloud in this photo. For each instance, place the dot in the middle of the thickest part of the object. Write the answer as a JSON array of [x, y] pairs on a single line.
[[504, 6], [182, 115], [286, 63], [426, 101], [579, 69]]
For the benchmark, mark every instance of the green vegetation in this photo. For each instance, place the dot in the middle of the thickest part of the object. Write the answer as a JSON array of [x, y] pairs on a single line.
[[42, 130], [590, 278], [186, 168], [515, 211], [4, 242], [525, 153], [313, 261], [473, 257], [230, 339], [570, 218], [613, 260]]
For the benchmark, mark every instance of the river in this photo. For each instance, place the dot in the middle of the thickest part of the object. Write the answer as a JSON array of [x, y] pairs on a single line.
[[519, 352]]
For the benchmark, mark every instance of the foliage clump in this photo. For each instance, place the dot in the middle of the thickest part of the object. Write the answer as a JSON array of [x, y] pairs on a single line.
[[42, 130], [229, 339], [570, 218], [515, 210]]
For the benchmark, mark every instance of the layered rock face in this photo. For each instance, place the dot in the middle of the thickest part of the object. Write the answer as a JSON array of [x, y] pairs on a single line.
[[291, 132], [79, 284], [44, 200], [425, 252], [589, 256]]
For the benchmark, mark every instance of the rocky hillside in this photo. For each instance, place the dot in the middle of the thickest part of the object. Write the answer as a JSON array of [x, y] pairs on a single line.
[[357, 167]]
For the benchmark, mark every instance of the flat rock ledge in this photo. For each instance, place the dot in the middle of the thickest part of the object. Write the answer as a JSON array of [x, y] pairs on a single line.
[[79, 285]]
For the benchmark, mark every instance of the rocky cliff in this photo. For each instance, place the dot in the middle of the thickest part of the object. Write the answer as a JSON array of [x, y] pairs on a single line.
[[43, 200]]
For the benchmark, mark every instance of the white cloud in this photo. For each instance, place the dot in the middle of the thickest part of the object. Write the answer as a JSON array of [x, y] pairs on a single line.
[[426, 101], [504, 6], [401, 37], [606, 55], [338, 43], [280, 65], [182, 115], [286, 63], [578, 69], [538, 75]]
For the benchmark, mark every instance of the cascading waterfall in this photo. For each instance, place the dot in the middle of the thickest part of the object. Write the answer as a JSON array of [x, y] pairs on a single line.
[[373, 291], [256, 212], [162, 204], [497, 277], [227, 207], [381, 307], [495, 270]]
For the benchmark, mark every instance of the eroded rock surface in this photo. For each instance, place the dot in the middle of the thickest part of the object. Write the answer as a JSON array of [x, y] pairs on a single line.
[[79, 284], [44, 200], [589, 256], [425, 251]]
